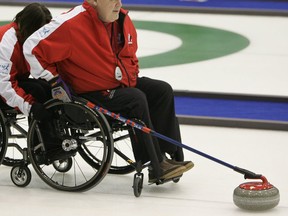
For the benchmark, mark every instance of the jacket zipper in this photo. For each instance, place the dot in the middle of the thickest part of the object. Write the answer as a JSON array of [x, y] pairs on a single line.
[[124, 70], [117, 55]]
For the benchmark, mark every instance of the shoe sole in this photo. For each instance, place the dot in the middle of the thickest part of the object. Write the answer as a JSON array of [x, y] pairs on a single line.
[[188, 166], [173, 174]]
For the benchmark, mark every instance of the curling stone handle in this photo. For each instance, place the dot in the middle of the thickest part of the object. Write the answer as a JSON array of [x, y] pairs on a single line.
[[247, 174], [264, 180]]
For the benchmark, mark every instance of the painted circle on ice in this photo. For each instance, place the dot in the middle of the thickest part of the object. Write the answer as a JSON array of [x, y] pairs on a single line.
[[199, 43]]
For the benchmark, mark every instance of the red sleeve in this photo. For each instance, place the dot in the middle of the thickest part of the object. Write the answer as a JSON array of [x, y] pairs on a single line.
[[45, 48]]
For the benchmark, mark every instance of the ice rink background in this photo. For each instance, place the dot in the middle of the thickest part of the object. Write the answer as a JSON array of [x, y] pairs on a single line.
[[207, 189]]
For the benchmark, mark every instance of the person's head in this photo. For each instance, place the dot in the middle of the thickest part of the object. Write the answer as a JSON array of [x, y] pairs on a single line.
[[108, 10], [31, 18]]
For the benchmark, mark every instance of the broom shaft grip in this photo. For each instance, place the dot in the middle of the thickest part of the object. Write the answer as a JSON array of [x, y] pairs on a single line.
[[247, 174]]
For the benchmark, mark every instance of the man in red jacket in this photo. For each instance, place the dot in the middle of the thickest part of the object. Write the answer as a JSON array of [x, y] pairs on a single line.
[[93, 49], [17, 90]]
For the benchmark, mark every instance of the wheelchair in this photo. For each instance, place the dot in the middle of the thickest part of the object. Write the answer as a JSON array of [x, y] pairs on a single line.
[[72, 152]]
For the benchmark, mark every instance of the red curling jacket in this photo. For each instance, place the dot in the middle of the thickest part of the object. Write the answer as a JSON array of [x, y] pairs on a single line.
[[13, 68], [77, 46]]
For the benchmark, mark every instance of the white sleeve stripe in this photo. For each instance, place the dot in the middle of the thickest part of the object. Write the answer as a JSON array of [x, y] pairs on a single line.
[[36, 68], [7, 44], [14, 100]]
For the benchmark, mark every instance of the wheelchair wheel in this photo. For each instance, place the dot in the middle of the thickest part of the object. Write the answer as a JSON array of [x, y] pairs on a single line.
[[138, 184], [77, 135], [123, 160], [3, 137], [20, 175]]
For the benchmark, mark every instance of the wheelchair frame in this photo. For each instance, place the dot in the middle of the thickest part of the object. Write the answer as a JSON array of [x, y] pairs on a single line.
[[13, 135], [106, 133]]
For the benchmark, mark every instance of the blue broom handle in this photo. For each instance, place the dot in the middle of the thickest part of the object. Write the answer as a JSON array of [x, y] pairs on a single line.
[[175, 142], [154, 133], [247, 174]]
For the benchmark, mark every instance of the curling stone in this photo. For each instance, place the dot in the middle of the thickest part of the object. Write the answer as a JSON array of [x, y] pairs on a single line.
[[256, 196]]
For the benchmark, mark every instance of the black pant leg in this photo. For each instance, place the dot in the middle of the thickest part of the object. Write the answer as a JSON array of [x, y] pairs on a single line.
[[160, 99], [41, 91]]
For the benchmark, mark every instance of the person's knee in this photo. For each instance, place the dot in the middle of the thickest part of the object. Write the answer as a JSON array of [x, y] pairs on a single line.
[[165, 90], [139, 105], [140, 100], [164, 87]]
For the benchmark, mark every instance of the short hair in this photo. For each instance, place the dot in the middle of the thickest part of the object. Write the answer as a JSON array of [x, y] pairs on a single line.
[[31, 18]]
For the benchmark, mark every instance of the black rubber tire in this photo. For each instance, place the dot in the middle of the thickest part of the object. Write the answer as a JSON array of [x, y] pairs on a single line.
[[20, 175], [89, 129], [138, 184]]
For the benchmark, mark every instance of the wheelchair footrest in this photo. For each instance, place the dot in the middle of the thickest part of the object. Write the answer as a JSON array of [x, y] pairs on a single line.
[[163, 181]]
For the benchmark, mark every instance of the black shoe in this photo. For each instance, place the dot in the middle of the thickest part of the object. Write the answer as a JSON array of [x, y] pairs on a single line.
[[169, 171]]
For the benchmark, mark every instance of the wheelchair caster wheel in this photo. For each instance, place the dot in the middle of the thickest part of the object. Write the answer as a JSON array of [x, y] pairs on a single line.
[[63, 165], [138, 184], [20, 175]]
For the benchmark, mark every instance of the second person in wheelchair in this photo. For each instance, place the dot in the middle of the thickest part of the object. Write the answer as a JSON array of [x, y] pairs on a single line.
[[93, 49], [17, 90]]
